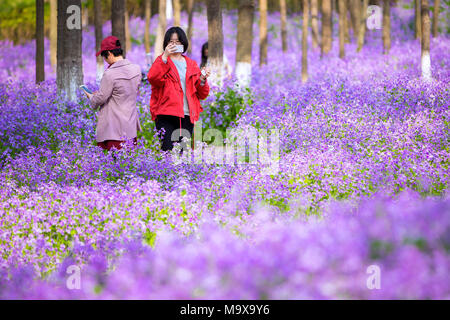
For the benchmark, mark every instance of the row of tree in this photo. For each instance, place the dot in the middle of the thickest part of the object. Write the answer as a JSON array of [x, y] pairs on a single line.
[[66, 49]]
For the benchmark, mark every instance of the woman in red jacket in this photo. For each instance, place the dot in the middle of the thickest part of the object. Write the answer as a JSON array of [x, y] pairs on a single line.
[[178, 85]]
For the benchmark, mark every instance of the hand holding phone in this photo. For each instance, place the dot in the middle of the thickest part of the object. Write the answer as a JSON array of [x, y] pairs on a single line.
[[86, 89], [179, 48]]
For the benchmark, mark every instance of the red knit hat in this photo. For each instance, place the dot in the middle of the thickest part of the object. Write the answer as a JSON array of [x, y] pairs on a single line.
[[109, 43]]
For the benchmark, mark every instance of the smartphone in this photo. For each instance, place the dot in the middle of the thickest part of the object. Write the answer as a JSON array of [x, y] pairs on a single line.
[[179, 47], [203, 72], [85, 89]]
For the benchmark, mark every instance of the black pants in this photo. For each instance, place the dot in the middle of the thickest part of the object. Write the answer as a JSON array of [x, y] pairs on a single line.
[[171, 124]]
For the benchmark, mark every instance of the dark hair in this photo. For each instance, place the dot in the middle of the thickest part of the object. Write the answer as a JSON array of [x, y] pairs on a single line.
[[204, 56], [115, 52], [182, 37]]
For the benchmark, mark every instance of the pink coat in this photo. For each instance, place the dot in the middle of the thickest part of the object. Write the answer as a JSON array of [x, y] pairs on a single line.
[[118, 117]]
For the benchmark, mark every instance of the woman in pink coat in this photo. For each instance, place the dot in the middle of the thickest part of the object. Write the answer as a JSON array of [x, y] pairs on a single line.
[[117, 118]]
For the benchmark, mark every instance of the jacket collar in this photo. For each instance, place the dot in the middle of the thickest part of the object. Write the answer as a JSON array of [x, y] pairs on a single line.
[[119, 63]]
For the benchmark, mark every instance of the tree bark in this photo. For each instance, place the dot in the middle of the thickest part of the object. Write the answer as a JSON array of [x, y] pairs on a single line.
[[262, 32], [176, 13], [190, 12], [326, 27], [436, 17], [417, 24], [315, 23], [362, 25], [305, 41], [118, 22], [215, 40], [386, 26], [283, 25], [148, 16], [127, 28], [98, 23], [342, 16], [69, 71], [161, 29], [53, 31], [355, 10], [425, 41], [40, 71], [246, 14], [346, 26]]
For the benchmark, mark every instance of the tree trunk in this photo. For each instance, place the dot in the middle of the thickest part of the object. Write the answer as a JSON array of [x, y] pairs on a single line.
[[283, 25], [190, 12], [436, 17], [98, 23], [346, 25], [169, 10], [215, 41], [148, 16], [425, 43], [69, 71], [417, 24], [244, 42], [355, 10], [362, 25], [53, 31], [326, 27], [305, 41], [315, 23], [40, 71], [262, 32], [127, 28], [342, 16], [118, 22], [161, 29], [176, 13], [386, 27]]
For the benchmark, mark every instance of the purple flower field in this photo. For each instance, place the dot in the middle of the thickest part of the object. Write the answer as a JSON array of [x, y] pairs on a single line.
[[363, 177]]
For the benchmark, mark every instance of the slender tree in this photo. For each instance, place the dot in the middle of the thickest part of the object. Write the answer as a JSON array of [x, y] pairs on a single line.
[[386, 33], [283, 25], [190, 12], [342, 15], [436, 17], [305, 41], [127, 28], [148, 16], [98, 23], [262, 32], [425, 41], [326, 27], [246, 14], [118, 21], [69, 71], [315, 23], [53, 31], [355, 11], [417, 24], [346, 26], [176, 13], [362, 25], [215, 40], [162, 21], [40, 72]]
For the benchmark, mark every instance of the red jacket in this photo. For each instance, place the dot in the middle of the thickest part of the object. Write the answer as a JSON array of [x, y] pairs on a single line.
[[167, 94]]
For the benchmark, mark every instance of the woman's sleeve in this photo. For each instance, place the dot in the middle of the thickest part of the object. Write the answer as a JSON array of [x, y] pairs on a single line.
[[100, 97], [157, 71]]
